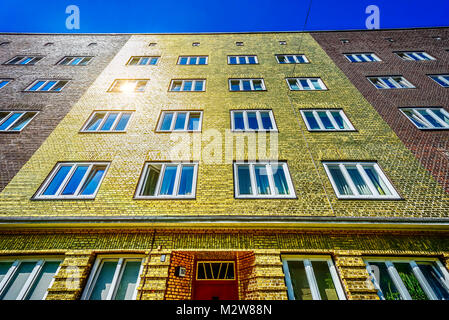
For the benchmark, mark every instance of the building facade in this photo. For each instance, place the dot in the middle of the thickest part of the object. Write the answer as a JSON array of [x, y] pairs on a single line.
[[223, 166]]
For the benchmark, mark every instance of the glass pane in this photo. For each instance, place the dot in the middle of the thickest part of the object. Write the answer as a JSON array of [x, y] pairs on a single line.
[[134, 61], [235, 85], [104, 280], [410, 281], [128, 281], [230, 271], [59, 85], [17, 282], [246, 85], [435, 279], [57, 180], [15, 60], [153, 61], [324, 280], [107, 125], [149, 188], [300, 284], [215, 269], [10, 120], [75, 61], [244, 178], [121, 125], [199, 85], [48, 86], [280, 181], [183, 60], [180, 121], [166, 121], [187, 86], [282, 59], [85, 61], [3, 115], [339, 120], [443, 116], [252, 60], [23, 121], [415, 119], [4, 267], [252, 120], [200, 271], [168, 182], [3, 83], [193, 60], [75, 180], [301, 59], [95, 122], [43, 280], [186, 183], [143, 61], [140, 85], [202, 60], [232, 60], [263, 185], [238, 121], [93, 180], [36, 86], [313, 124], [291, 59], [242, 60], [378, 182], [194, 121], [339, 180], [266, 120], [325, 120], [176, 85], [357, 179], [304, 84], [316, 84], [383, 279], [26, 60], [429, 118], [257, 85]]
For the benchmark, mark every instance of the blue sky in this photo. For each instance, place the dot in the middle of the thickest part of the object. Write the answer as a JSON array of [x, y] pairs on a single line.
[[162, 16]]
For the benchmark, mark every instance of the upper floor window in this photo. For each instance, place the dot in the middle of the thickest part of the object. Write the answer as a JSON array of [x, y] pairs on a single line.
[[185, 60], [188, 85], [4, 43], [114, 278], [311, 278], [4, 82], [409, 279], [393, 82], [15, 121], [242, 60], [128, 86], [362, 57], [415, 56], [263, 179], [180, 121], [326, 120], [143, 61], [27, 279], [168, 180], [75, 61], [48, 44], [47, 85], [282, 42], [246, 85], [24, 60], [92, 44], [76, 180], [428, 118], [360, 180], [441, 79], [252, 120], [195, 44], [239, 43], [343, 41], [107, 121], [306, 84], [291, 58], [390, 39], [152, 44]]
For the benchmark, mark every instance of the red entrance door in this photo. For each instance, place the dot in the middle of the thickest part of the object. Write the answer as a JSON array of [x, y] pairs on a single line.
[[215, 280]]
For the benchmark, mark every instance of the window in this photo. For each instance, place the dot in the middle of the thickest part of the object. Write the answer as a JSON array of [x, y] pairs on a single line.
[[73, 181], [393, 82], [415, 56], [128, 86], [239, 43], [195, 44], [180, 121], [188, 85], [409, 279], [362, 57], [282, 42], [168, 180], [390, 39], [184, 60], [24, 60], [152, 44], [114, 278], [437, 38], [242, 60], [326, 120], [246, 85], [428, 118], [359, 180], [252, 120], [107, 121], [143, 61], [5, 43], [343, 41], [47, 85], [291, 58], [15, 121], [48, 44], [311, 278], [215, 270], [75, 61], [27, 279], [296, 84], [92, 44], [264, 179], [441, 79], [4, 82]]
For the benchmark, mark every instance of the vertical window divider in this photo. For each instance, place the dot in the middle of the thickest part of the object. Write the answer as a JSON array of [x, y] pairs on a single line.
[[312, 281], [114, 281], [30, 279], [245, 120], [159, 180], [348, 179], [252, 174], [102, 121], [177, 179], [173, 120], [367, 180], [66, 179], [374, 281], [317, 119], [259, 120], [332, 120], [270, 179], [186, 121], [429, 111], [336, 279], [397, 280], [422, 281], [83, 180], [116, 121], [12, 270], [288, 280]]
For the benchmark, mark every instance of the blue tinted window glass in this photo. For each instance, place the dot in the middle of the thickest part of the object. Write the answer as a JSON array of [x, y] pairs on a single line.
[[389, 83], [361, 58], [121, 125], [10, 120], [441, 115], [176, 86], [280, 181], [418, 122], [23, 121], [194, 121], [57, 180], [339, 120], [263, 185], [180, 121], [300, 59], [232, 60], [244, 182], [3, 83], [429, 118], [242, 60], [199, 85], [316, 84], [325, 120], [143, 61], [48, 86], [109, 122], [168, 182], [183, 60], [252, 60], [246, 85], [166, 121], [304, 84], [186, 183], [153, 61], [25, 61], [440, 81], [75, 61], [293, 84], [37, 85], [193, 60], [235, 85], [93, 180], [75, 180], [313, 124], [266, 120], [95, 122], [291, 59], [187, 86], [340, 181], [202, 60], [238, 121], [252, 120]]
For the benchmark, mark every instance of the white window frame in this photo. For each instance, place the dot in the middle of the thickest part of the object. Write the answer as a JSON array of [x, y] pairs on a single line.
[[189, 58], [116, 121], [19, 62], [259, 120], [331, 118], [355, 194], [414, 55], [96, 270], [32, 277], [136, 81], [307, 260], [251, 81], [394, 275], [140, 59], [242, 56], [253, 182], [17, 120], [183, 81], [39, 194], [309, 83], [73, 58], [46, 81], [175, 116], [385, 86], [295, 57], [364, 55], [429, 110], [442, 77], [175, 195]]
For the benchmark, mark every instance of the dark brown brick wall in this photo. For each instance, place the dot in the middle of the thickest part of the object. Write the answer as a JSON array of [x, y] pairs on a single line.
[[17, 148], [431, 147]]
